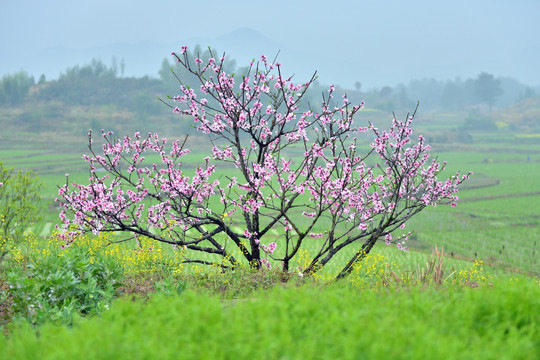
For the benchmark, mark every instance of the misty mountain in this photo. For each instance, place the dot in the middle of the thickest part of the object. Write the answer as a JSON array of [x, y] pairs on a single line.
[[143, 58], [245, 44], [242, 45]]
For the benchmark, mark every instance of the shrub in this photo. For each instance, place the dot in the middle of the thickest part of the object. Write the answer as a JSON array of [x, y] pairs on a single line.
[[20, 193], [56, 286]]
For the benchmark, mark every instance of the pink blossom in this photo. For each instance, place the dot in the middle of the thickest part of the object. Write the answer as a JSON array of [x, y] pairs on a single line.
[[270, 248], [265, 263]]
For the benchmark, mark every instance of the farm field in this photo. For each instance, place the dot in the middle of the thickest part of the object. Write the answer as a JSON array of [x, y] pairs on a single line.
[[497, 218]]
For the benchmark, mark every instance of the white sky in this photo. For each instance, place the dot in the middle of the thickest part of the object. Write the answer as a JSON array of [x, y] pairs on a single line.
[[376, 42]]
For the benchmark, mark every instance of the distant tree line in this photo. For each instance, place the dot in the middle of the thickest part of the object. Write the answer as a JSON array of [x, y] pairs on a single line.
[[99, 84], [451, 95]]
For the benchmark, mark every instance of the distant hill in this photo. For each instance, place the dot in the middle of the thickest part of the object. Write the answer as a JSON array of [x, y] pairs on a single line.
[[523, 115], [144, 58]]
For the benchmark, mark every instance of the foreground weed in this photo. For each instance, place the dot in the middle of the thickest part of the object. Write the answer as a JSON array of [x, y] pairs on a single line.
[[474, 275], [376, 271], [147, 257], [373, 271], [238, 283], [58, 288]]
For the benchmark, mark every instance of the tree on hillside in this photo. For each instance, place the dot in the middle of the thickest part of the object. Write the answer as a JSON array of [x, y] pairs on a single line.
[[487, 88], [96, 69], [20, 193], [14, 88], [299, 178]]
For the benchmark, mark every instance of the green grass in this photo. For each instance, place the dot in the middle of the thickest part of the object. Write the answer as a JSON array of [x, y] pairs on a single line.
[[309, 322]]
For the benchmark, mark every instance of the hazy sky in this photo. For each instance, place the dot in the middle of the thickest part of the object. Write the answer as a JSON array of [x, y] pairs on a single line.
[[374, 42]]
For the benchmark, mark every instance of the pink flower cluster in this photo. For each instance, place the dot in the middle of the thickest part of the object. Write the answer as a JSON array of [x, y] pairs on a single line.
[[123, 200]]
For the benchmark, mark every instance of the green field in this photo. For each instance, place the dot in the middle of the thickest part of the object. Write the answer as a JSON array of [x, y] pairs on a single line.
[[307, 322]]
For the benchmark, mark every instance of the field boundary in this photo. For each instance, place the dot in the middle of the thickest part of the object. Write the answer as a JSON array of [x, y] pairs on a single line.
[[502, 196]]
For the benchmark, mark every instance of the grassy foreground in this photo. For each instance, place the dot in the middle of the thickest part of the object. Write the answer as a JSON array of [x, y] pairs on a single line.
[[307, 322]]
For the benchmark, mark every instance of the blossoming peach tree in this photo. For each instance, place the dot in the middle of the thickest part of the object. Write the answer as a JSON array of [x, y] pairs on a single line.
[[300, 177]]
